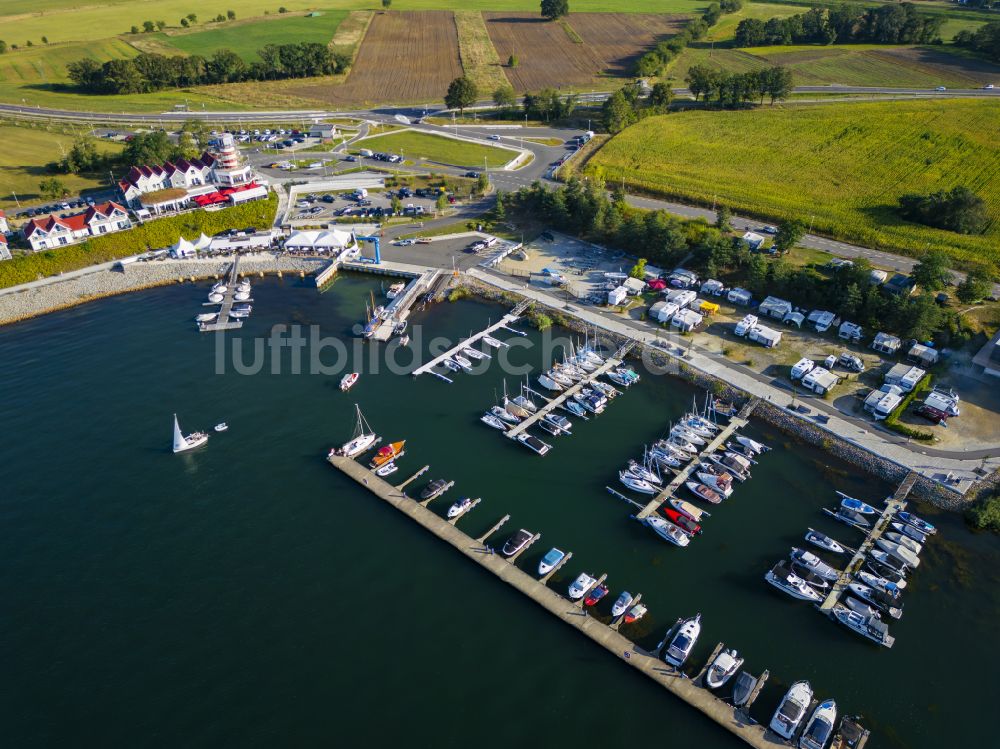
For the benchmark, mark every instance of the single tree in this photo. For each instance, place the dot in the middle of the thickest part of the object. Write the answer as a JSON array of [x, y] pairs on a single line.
[[553, 9], [723, 217], [441, 203], [161, 25], [618, 113], [192, 17], [462, 93], [45, 40], [396, 205], [231, 15], [282, 9], [504, 97], [482, 183], [3, 46], [789, 233], [513, 61], [977, 285], [386, 4], [134, 30], [148, 26], [185, 23], [52, 188], [932, 273], [661, 95], [639, 269]]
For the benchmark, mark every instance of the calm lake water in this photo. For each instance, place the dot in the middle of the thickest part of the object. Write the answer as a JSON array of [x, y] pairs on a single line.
[[249, 595]]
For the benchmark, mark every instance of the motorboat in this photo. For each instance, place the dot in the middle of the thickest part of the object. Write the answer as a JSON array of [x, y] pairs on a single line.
[[575, 408], [862, 608], [668, 531], [621, 604], [628, 373], [912, 531], [206, 317], [551, 560], [459, 507], [386, 470], [220, 287], [727, 465], [595, 595], [814, 564], [732, 461], [901, 553], [823, 541], [874, 629], [221, 426], [348, 380], [560, 378], [361, 441], [734, 449], [921, 525], [692, 511], [879, 582], [853, 519], [241, 296], [462, 362], [608, 391], [388, 453], [618, 379], [215, 298], [781, 577], [704, 492], [239, 314], [560, 422], [683, 641], [549, 427], [504, 414], [906, 541], [682, 444], [517, 542], [637, 469], [452, 365], [752, 445], [242, 308], [809, 576], [533, 443], [850, 734], [636, 613], [880, 599], [435, 488], [723, 668], [395, 290], [820, 726], [743, 687], [792, 709], [719, 484], [492, 342], [886, 564], [491, 420], [635, 483], [579, 587], [856, 505], [547, 382], [681, 520], [183, 443]]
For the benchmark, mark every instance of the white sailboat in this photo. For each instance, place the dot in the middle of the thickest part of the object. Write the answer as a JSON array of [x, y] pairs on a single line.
[[189, 442], [362, 439]]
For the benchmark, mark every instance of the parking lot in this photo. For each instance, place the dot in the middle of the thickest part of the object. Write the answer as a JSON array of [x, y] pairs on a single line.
[[373, 204]]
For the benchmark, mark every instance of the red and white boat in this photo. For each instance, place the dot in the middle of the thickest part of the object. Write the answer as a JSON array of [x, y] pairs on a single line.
[[682, 521], [595, 595], [636, 613], [348, 380], [388, 454]]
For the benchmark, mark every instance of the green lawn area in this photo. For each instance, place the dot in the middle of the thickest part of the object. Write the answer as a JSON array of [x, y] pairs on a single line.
[[415, 145], [841, 167], [245, 38], [23, 158]]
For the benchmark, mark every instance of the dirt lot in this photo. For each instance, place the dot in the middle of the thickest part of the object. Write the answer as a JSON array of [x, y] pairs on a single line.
[[548, 56], [406, 56]]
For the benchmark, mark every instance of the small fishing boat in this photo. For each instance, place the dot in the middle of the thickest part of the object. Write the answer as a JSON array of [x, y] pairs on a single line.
[[617, 379], [241, 296], [491, 420], [361, 441], [492, 342], [782, 578], [668, 531], [435, 488], [348, 380], [814, 564], [533, 443], [516, 542], [221, 426], [595, 595], [856, 505], [743, 688], [903, 554], [504, 414], [220, 287], [703, 492], [823, 541], [238, 315], [906, 541], [635, 483], [206, 317], [921, 525], [636, 613], [183, 443], [681, 520], [459, 507], [388, 453], [723, 668], [547, 382], [912, 531], [628, 373], [683, 641], [550, 561], [386, 470], [580, 586], [874, 629], [621, 604], [820, 726], [727, 465], [692, 511], [792, 709]]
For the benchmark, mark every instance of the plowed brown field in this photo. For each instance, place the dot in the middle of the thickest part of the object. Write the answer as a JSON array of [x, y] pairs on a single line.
[[549, 57], [406, 56]]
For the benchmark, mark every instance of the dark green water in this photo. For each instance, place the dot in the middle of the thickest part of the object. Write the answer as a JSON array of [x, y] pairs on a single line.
[[248, 595]]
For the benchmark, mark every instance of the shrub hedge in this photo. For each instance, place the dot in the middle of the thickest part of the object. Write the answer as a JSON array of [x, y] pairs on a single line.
[[152, 235]]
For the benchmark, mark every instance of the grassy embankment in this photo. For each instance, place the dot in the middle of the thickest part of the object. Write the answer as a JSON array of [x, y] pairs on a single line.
[[839, 167], [416, 145]]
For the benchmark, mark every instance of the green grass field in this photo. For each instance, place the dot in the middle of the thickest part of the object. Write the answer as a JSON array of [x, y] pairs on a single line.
[[23, 158], [414, 145], [245, 38], [840, 167]]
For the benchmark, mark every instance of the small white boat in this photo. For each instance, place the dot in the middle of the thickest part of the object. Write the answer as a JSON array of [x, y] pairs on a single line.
[[668, 531], [823, 541], [361, 441], [395, 290], [879, 583], [241, 296], [792, 709], [692, 511], [215, 298], [636, 469], [561, 424], [856, 505], [874, 629], [908, 530], [452, 365], [533, 443], [621, 604], [525, 403], [752, 445], [491, 420], [206, 317], [636, 613], [719, 484], [387, 470], [580, 586], [683, 641], [723, 668], [903, 554], [239, 314], [906, 541], [920, 524], [492, 342], [618, 379], [348, 380], [859, 607], [220, 287], [404, 341], [688, 435], [462, 362], [814, 564], [784, 579], [560, 378], [459, 507], [471, 353], [551, 559], [184, 442], [221, 426], [547, 382], [635, 483], [882, 600], [820, 726]]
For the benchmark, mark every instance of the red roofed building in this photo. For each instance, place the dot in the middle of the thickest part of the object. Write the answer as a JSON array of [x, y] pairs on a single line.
[[58, 231], [4, 228], [4, 252]]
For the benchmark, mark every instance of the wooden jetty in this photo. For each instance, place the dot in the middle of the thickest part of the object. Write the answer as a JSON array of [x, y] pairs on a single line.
[[735, 423], [610, 363], [734, 721], [222, 322], [894, 504], [510, 317]]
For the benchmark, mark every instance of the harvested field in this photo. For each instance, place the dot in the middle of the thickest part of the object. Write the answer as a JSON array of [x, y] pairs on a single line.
[[405, 57], [549, 56], [950, 67]]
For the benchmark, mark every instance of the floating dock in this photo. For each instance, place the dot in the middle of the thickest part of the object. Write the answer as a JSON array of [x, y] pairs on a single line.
[[733, 720], [222, 322], [894, 504], [736, 422], [510, 317]]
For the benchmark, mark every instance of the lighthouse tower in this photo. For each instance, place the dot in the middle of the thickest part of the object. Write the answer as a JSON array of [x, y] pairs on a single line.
[[228, 166]]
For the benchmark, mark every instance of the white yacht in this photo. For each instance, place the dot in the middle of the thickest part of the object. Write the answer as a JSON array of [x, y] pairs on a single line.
[[668, 531], [906, 541], [492, 342], [792, 709], [683, 641], [621, 604], [580, 586], [188, 442], [362, 439], [874, 629], [903, 554], [723, 668], [720, 484], [635, 483], [491, 420], [547, 382], [533, 443], [459, 507], [814, 564], [784, 579], [552, 558], [820, 726], [206, 317]]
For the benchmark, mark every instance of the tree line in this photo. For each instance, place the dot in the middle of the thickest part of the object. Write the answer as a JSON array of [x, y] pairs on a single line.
[[626, 106], [153, 72], [842, 24], [959, 210], [733, 90], [653, 62], [985, 40]]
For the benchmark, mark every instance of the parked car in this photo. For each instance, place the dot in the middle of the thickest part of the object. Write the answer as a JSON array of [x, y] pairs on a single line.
[[769, 229]]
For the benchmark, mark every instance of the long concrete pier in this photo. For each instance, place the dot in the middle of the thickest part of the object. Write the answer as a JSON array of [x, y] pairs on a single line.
[[734, 721], [736, 422], [894, 504], [223, 322], [512, 316]]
